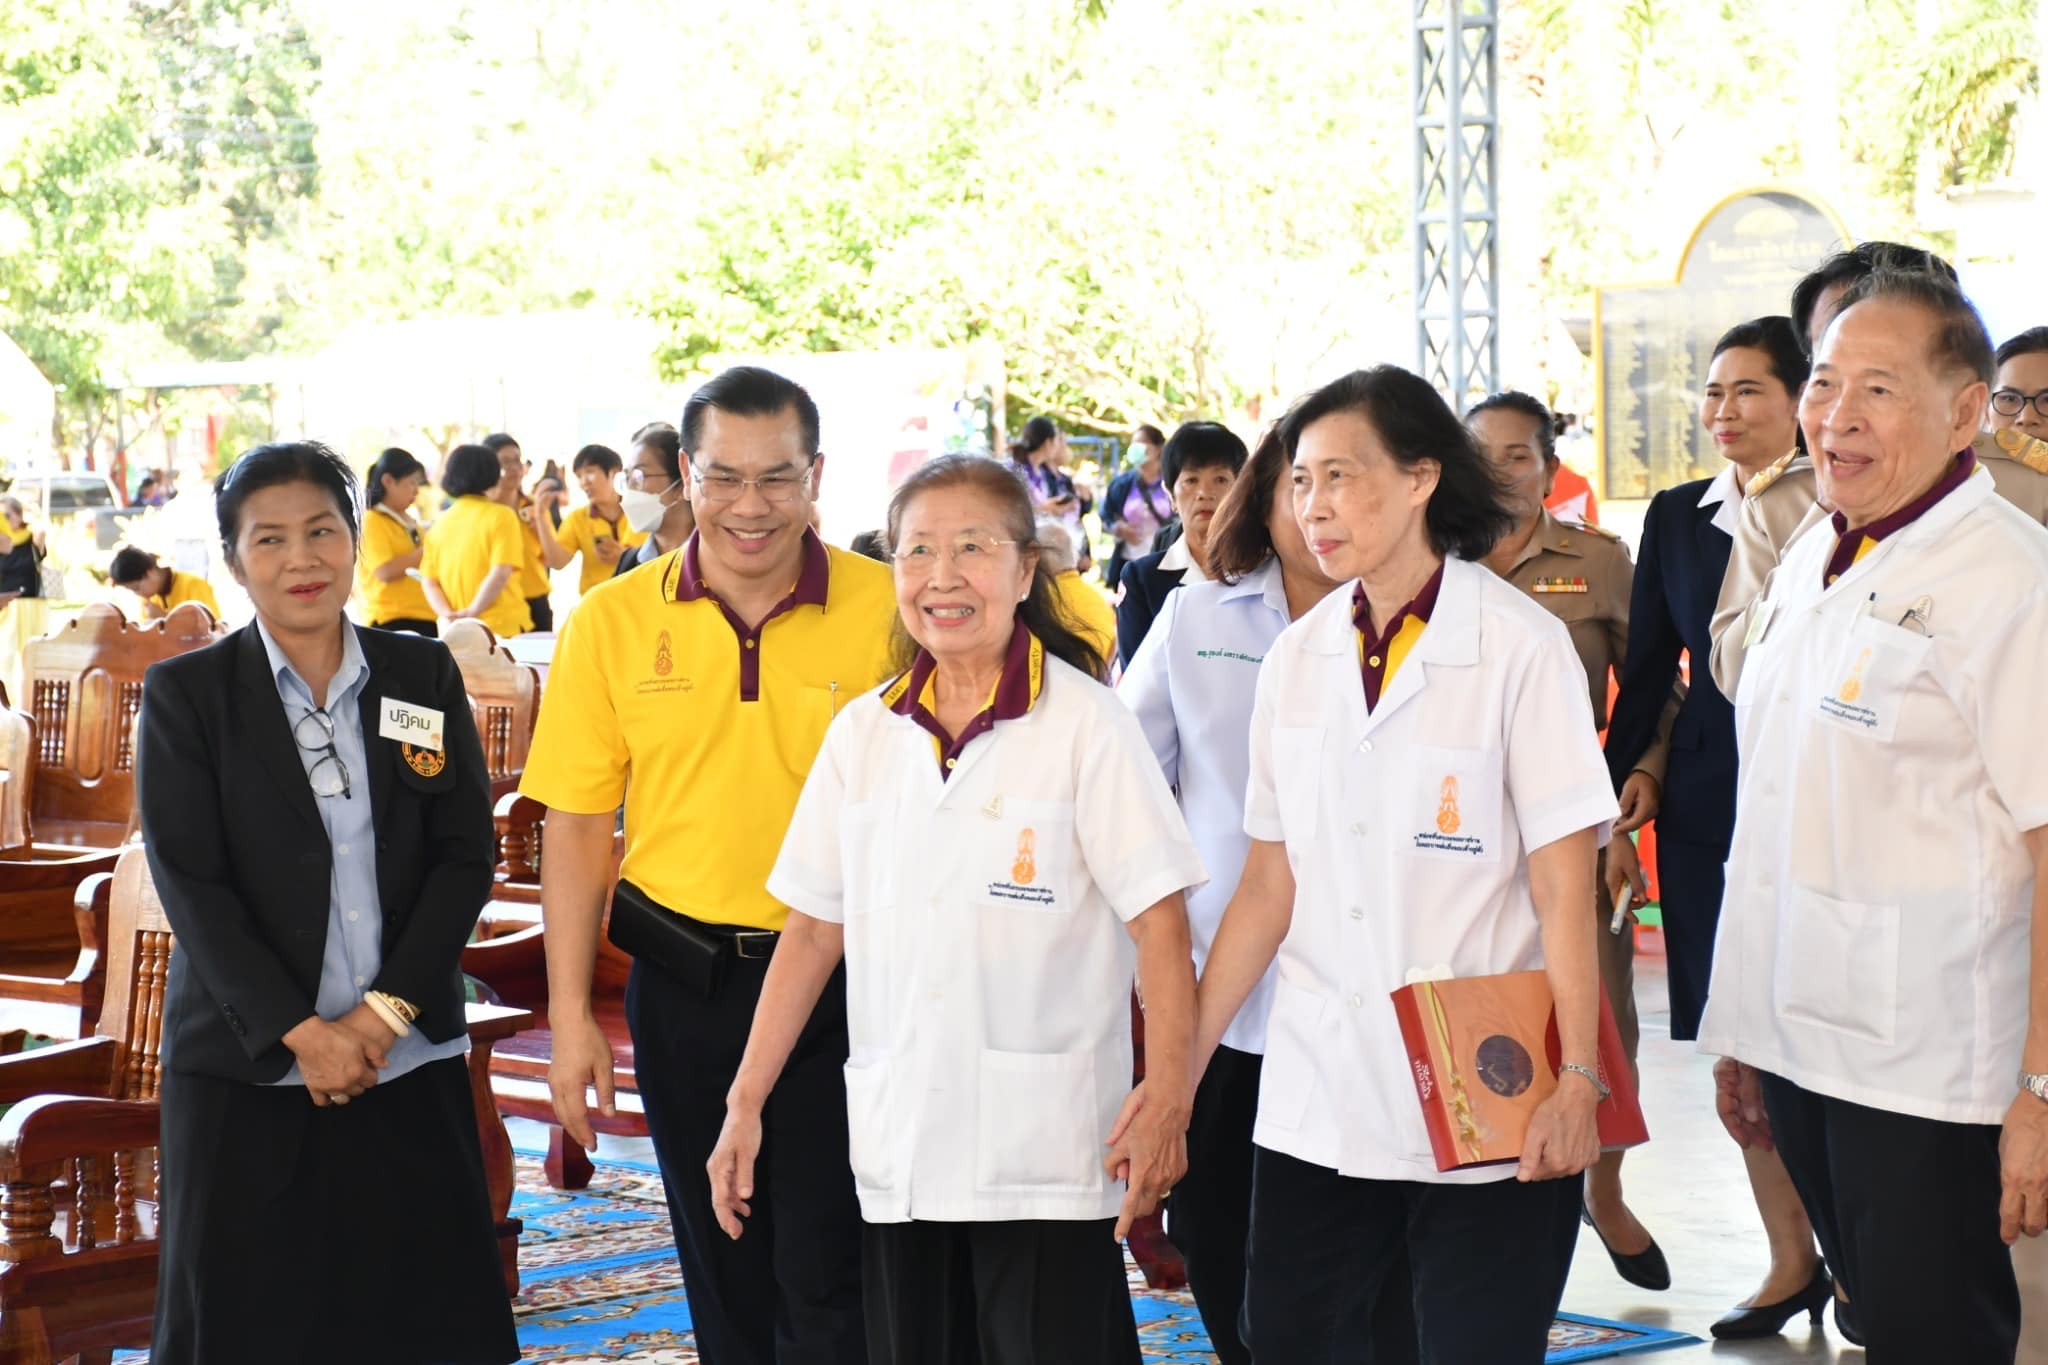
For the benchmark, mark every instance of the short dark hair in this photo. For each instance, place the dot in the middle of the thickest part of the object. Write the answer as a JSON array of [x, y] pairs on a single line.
[[1201, 445], [871, 544], [148, 481], [1040, 610], [131, 565], [1239, 539], [498, 440], [1779, 341], [1469, 511], [277, 463], [469, 470], [603, 457], [394, 463], [749, 391], [667, 444], [1149, 434], [1960, 341], [2030, 342], [1847, 267], [1528, 405]]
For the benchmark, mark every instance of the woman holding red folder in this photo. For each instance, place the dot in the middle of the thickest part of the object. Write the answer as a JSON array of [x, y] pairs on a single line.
[[1426, 793]]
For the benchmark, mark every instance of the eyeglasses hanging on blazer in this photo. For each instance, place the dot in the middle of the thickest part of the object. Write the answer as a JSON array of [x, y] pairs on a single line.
[[314, 733]]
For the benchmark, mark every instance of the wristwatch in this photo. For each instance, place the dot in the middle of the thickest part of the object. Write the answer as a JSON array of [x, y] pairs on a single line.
[[2035, 1083]]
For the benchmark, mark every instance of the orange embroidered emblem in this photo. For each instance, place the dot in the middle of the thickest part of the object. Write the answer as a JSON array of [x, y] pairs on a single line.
[[1026, 867], [1852, 686], [425, 762], [664, 662], [1447, 819]]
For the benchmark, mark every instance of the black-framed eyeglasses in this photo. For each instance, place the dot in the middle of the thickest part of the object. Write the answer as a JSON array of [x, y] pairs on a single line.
[[2011, 402], [314, 732]]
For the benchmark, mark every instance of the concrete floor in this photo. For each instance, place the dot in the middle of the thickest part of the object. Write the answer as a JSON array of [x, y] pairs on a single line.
[[1687, 1186]]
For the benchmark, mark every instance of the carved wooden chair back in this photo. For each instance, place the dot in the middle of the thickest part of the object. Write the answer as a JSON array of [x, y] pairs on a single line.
[[504, 696], [139, 946], [85, 691]]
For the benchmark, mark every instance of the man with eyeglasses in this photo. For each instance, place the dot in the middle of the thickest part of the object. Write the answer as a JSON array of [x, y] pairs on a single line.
[[698, 693]]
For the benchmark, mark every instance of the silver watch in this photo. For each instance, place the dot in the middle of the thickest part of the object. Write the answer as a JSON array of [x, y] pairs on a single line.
[[2035, 1083]]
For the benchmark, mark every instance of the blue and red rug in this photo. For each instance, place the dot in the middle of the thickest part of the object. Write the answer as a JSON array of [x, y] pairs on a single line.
[[600, 1286]]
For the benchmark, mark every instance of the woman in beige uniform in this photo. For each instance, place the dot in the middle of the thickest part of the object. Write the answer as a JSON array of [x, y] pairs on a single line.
[[1581, 576]]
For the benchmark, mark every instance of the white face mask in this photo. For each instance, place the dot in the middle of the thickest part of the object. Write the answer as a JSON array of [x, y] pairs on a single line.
[[643, 510]]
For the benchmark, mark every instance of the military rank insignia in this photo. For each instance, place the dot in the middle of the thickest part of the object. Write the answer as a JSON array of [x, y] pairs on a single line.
[[1559, 585]]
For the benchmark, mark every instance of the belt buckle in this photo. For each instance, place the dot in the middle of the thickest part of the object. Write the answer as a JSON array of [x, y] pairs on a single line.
[[744, 941]]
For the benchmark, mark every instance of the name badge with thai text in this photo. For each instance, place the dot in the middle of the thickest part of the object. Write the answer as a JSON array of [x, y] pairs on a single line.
[[419, 726]]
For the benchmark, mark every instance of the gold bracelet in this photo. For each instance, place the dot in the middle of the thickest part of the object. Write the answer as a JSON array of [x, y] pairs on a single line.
[[403, 1009], [375, 1000]]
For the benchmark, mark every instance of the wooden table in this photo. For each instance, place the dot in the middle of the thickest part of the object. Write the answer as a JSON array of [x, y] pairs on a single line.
[[488, 1026]]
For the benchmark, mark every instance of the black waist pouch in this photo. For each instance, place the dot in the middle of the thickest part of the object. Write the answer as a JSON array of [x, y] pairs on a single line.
[[645, 929]]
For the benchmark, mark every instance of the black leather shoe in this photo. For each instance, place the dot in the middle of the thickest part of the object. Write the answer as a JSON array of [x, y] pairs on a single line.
[[1845, 1323], [1769, 1319], [1645, 1270]]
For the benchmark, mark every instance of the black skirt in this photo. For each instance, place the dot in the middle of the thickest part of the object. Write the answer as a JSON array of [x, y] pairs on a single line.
[[359, 1232]]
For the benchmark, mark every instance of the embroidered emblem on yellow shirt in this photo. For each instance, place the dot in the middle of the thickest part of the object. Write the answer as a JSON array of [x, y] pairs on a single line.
[[425, 762], [664, 661], [1447, 820]]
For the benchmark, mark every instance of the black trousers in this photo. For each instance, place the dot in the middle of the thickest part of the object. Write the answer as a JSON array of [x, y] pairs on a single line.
[[357, 1232], [1689, 878], [788, 1291], [426, 626], [1906, 1210], [1487, 1266], [543, 612], [1011, 1293], [1209, 1216]]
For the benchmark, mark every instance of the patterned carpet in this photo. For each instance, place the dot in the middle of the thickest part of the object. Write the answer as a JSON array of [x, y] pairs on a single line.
[[601, 1286]]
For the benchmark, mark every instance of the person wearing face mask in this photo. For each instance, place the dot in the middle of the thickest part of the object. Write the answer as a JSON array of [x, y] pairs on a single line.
[[1582, 576], [1782, 500], [1137, 504], [597, 530], [1199, 465], [392, 546], [651, 497], [696, 691]]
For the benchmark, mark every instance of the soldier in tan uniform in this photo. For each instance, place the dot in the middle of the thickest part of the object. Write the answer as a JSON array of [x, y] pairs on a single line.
[[1583, 576]]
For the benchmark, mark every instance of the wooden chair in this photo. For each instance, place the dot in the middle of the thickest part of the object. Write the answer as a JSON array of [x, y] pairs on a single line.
[[54, 916], [78, 1177], [84, 685], [513, 964], [504, 697]]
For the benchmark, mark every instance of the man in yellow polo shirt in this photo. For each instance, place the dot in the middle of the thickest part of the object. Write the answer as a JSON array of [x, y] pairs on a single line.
[[698, 693]]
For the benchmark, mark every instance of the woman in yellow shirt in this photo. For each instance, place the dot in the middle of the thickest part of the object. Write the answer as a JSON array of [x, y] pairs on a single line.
[[392, 598], [474, 551], [539, 551], [597, 530], [1087, 611], [159, 585]]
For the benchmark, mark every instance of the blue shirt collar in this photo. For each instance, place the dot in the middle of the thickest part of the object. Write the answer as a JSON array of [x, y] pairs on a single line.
[[347, 679]]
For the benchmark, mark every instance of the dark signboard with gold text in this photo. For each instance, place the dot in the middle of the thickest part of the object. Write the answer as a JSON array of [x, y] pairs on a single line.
[[1652, 342]]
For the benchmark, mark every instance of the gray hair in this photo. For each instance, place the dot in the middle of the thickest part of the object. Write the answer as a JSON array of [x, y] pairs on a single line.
[[1056, 546]]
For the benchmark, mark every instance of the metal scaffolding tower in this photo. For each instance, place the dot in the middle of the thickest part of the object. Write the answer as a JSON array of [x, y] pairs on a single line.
[[1457, 285]]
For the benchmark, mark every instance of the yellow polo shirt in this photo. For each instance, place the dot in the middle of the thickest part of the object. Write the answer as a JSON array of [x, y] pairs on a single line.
[[1088, 612], [386, 538], [187, 587], [579, 533], [474, 536], [533, 566], [703, 727]]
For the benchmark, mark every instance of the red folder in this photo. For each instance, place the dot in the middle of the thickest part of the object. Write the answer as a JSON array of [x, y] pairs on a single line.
[[1483, 1052]]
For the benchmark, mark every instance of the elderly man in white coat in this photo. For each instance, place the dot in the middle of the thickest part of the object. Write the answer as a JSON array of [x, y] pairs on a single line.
[[1880, 983]]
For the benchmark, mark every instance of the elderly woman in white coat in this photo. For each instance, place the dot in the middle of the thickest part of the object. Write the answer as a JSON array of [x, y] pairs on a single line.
[[988, 842], [1426, 696]]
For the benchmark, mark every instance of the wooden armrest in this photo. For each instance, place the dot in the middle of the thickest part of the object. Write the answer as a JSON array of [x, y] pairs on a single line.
[[85, 1067], [52, 1129], [514, 809], [489, 1024]]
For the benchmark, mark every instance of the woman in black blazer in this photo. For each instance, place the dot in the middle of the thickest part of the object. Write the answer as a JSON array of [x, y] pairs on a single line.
[[317, 819], [1750, 404]]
